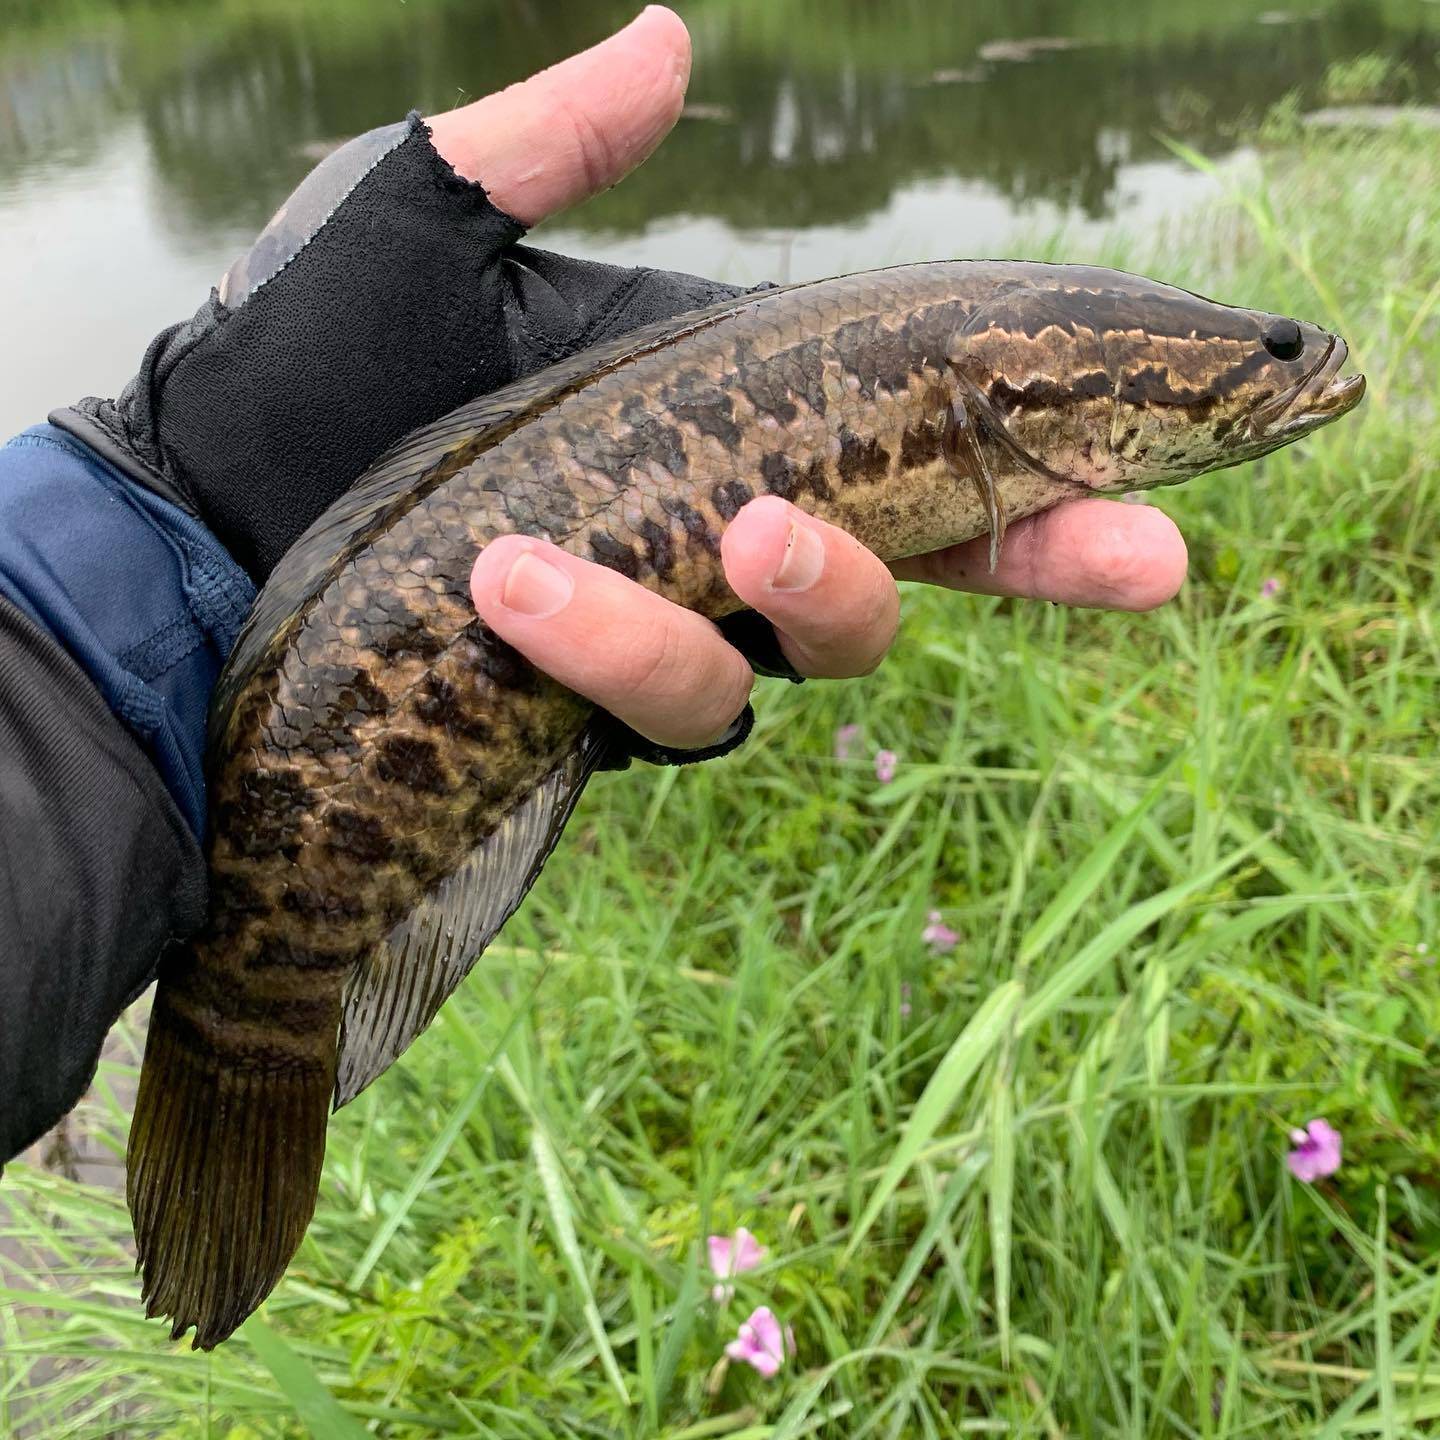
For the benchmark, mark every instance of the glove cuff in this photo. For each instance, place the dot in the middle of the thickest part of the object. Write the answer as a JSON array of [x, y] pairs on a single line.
[[99, 425], [628, 745]]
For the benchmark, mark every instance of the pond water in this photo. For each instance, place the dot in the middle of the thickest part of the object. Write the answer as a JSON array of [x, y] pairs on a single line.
[[143, 142]]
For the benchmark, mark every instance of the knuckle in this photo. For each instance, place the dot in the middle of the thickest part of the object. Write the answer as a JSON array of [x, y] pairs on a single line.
[[594, 156], [668, 673], [654, 660]]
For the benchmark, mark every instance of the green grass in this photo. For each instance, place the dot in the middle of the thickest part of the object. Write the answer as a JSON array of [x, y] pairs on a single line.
[[1193, 860]]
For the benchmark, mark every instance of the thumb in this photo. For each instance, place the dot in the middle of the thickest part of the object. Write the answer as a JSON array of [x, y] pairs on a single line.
[[575, 129]]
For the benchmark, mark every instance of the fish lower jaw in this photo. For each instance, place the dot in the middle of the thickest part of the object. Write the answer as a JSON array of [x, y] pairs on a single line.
[[1317, 398]]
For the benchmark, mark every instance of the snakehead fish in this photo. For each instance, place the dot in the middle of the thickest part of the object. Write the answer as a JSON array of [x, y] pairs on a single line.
[[388, 777]]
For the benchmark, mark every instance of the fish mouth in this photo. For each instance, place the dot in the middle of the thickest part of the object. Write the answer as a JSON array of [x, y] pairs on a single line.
[[1321, 395]]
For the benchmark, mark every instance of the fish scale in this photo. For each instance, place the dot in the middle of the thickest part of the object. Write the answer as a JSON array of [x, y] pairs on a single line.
[[388, 776]]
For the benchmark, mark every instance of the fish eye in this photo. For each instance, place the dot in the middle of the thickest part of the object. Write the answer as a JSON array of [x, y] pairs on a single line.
[[1283, 339]]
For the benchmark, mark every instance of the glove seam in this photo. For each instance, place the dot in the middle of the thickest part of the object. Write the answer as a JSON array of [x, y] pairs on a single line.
[[413, 122], [617, 303], [553, 349]]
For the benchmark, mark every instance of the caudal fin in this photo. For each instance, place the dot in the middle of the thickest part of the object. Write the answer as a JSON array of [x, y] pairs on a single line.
[[223, 1171]]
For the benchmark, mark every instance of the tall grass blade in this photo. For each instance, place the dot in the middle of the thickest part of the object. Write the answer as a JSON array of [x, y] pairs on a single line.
[[315, 1407], [1076, 973], [1088, 876], [971, 1049], [562, 1217]]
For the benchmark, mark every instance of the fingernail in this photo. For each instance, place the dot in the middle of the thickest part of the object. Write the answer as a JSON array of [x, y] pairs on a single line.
[[803, 561], [536, 588]]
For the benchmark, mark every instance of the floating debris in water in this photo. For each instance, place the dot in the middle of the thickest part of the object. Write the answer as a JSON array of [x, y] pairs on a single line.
[[971, 76], [1373, 117], [317, 150], [720, 114], [1017, 52]]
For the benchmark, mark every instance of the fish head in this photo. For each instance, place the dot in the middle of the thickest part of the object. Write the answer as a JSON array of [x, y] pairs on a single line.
[[1121, 383]]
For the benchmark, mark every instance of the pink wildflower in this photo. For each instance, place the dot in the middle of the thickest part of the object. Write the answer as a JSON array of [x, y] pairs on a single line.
[[904, 999], [1316, 1153], [731, 1256], [1271, 588], [762, 1343], [845, 738], [885, 763], [938, 935]]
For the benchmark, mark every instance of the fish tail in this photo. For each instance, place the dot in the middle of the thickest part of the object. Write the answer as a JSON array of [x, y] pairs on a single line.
[[223, 1168]]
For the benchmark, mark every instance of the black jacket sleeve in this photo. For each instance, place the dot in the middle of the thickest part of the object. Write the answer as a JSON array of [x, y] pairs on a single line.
[[97, 870]]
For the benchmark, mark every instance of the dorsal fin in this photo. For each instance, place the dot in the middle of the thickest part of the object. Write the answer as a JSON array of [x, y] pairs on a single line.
[[398, 989], [413, 467]]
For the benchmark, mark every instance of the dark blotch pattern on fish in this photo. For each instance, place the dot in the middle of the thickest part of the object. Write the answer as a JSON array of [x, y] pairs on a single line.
[[505, 665], [767, 392], [1042, 392], [1152, 385], [607, 550], [659, 547], [415, 764], [406, 633], [698, 530], [710, 411], [265, 813], [321, 904], [729, 497], [878, 352], [360, 835], [443, 706], [921, 444], [781, 475], [293, 955], [862, 458]]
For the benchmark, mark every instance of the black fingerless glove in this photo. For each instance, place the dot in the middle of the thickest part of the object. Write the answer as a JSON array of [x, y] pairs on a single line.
[[385, 292]]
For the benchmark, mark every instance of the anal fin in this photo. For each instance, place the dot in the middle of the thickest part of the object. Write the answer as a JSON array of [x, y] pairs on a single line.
[[399, 988]]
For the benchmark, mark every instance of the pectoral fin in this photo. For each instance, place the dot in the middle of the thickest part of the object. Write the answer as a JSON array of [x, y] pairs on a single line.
[[966, 457], [973, 431]]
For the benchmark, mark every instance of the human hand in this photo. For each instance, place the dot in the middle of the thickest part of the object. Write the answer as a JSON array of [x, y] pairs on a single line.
[[388, 290], [667, 672]]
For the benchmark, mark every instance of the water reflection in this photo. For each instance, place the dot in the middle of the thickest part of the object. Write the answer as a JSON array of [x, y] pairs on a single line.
[[945, 122], [231, 98]]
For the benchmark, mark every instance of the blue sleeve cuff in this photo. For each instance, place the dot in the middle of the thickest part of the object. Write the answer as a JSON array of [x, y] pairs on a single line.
[[141, 594]]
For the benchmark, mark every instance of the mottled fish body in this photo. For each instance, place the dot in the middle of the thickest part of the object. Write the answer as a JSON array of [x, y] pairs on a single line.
[[388, 776]]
